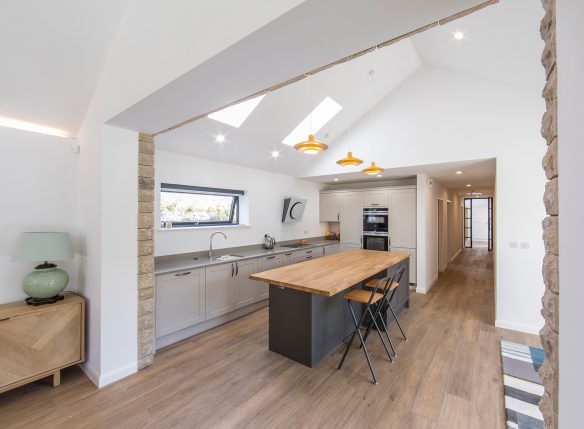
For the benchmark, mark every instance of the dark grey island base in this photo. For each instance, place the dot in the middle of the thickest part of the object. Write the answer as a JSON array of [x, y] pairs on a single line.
[[305, 327]]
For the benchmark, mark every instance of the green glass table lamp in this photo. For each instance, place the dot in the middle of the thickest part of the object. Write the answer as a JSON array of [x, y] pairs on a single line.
[[44, 284]]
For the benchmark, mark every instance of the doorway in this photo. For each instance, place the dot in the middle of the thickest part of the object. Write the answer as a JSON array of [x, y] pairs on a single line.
[[478, 223]]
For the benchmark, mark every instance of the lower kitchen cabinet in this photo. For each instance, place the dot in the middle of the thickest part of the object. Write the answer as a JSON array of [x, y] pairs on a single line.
[[246, 290], [331, 249], [180, 300], [264, 264], [287, 258], [220, 293]]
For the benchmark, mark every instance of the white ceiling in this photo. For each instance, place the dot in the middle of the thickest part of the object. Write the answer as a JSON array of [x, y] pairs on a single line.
[[501, 43], [52, 56], [349, 84]]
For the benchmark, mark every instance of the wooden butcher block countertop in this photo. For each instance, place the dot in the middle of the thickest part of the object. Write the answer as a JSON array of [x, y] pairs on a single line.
[[332, 274]]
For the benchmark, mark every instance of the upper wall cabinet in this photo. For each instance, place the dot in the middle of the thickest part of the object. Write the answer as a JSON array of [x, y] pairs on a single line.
[[378, 198], [329, 207], [402, 218]]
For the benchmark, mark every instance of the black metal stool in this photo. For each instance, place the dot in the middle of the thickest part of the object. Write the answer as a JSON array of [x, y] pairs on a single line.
[[367, 298], [389, 288]]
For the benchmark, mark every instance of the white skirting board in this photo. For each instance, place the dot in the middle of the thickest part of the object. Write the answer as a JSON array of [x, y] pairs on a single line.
[[514, 326], [102, 380], [209, 324], [432, 283], [455, 255]]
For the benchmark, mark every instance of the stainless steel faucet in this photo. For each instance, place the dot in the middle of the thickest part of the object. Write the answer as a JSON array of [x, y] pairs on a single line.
[[211, 242]]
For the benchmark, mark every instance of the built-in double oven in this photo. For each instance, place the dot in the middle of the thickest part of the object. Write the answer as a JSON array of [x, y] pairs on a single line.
[[376, 229]]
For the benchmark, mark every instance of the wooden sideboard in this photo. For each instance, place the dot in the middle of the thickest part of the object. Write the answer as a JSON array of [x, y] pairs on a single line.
[[37, 342]]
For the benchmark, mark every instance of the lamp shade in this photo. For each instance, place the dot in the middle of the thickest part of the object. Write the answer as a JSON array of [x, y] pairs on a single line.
[[44, 246]]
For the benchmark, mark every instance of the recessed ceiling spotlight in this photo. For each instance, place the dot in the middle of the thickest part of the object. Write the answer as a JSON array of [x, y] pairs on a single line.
[[459, 172], [336, 179], [468, 186], [459, 35], [275, 154], [220, 138]]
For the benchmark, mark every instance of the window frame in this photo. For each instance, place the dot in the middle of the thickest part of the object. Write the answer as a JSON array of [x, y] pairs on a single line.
[[235, 215]]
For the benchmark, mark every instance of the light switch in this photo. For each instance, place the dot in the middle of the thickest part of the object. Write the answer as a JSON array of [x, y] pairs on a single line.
[[513, 244], [524, 245]]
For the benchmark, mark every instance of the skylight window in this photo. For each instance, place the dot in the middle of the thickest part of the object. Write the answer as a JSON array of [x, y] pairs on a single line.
[[237, 114], [324, 112]]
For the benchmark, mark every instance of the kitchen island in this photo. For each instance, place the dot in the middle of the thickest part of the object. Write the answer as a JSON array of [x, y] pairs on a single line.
[[308, 316]]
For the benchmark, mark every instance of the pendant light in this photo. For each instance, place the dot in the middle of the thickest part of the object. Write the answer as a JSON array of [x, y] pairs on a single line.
[[350, 160], [311, 146], [373, 169]]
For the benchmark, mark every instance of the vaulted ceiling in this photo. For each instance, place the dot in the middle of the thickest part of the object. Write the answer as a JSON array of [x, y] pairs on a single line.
[[52, 56]]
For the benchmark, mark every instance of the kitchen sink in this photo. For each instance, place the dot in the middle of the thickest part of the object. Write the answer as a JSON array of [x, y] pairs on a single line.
[[227, 257]]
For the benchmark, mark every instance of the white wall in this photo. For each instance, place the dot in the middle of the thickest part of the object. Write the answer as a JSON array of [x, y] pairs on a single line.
[[440, 116], [39, 177], [265, 193], [570, 33], [154, 45]]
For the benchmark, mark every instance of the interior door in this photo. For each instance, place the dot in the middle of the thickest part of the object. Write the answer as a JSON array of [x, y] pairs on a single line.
[[468, 223], [351, 217]]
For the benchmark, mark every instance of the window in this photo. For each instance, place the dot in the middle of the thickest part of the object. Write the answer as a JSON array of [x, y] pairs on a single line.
[[184, 206]]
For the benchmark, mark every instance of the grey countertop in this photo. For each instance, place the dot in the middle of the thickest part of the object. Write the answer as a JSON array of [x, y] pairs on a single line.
[[185, 261]]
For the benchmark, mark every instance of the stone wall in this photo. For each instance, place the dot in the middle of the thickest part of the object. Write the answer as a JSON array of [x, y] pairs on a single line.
[[550, 301], [145, 251]]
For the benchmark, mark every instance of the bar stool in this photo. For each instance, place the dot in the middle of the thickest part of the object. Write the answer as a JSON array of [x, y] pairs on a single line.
[[389, 288], [367, 298]]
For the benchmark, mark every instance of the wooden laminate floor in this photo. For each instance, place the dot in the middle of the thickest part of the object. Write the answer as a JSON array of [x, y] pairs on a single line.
[[447, 375]]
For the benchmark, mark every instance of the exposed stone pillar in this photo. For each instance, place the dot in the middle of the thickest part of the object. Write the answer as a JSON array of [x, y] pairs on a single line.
[[550, 301], [145, 250]]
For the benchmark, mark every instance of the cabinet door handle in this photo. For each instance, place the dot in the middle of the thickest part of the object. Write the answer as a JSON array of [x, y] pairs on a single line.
[[309, 257], [182, 274], [309, 251], [232, 268], [374, 204], [338, 217], [236, 269], [271, 257], [287, 254]]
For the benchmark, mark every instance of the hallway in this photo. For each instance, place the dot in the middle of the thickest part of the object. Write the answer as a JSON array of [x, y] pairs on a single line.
[[447, 375]]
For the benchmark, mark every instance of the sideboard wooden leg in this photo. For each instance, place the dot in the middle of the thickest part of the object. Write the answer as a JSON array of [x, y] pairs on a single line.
[[57, 378]]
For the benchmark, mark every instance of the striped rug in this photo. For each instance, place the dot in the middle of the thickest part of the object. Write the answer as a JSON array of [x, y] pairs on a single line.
[[522, 385]]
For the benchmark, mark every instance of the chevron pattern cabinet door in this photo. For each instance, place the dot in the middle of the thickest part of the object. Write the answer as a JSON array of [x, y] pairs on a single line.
[[38, 342]]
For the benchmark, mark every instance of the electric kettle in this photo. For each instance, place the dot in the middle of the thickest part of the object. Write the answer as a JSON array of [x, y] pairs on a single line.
[[269, 241]]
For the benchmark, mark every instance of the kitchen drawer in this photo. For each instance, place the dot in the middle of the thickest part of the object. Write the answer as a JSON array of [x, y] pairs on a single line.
[[313, 251], [303, 258]]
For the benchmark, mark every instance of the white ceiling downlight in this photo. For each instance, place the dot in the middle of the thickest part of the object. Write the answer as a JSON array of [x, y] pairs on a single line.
[[30, 126], [324, 112], [458, 35], [237, 114], [219, 138]]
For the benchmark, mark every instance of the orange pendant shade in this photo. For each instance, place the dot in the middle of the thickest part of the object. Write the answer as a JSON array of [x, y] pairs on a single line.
[[372, 169], [349, 161], [311, 146]]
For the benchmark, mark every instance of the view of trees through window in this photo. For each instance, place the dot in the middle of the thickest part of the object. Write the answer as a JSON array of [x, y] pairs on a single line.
[[193, 208]]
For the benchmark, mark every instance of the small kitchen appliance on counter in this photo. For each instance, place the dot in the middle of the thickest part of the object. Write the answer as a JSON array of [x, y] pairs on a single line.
[[269, 242]]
